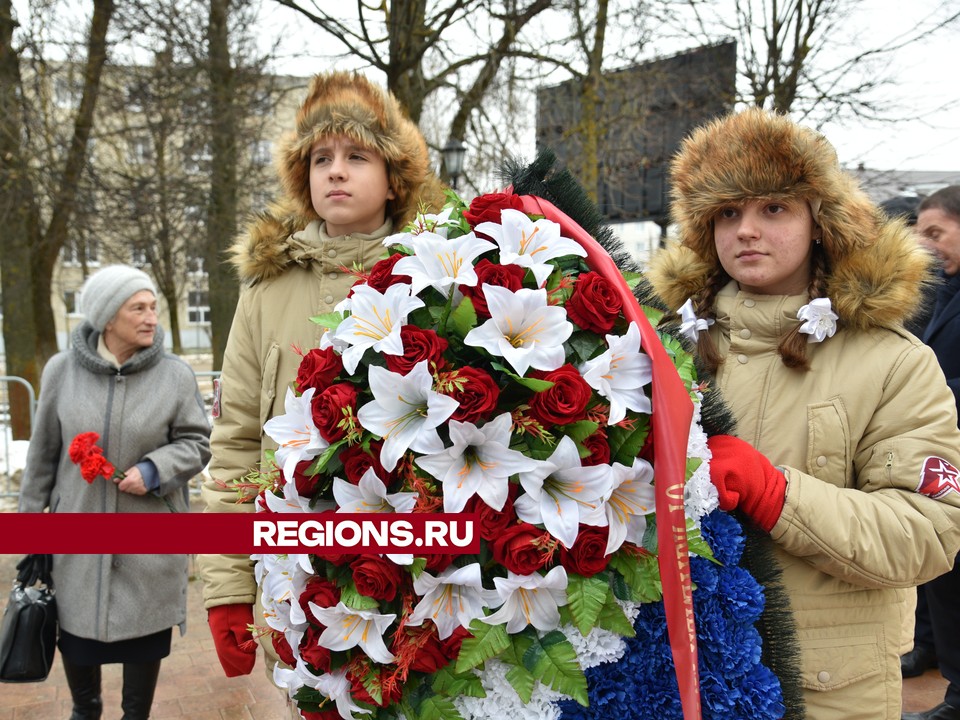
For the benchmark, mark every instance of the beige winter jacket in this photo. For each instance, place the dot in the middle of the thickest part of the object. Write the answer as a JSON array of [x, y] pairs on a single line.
[[287, 280], [853, 435]]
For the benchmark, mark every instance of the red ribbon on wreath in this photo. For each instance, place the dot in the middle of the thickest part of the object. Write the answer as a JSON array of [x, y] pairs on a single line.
[[671, 418]]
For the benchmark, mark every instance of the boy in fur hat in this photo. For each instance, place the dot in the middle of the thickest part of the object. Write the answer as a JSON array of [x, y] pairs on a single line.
[[794, 287], [353, 172]]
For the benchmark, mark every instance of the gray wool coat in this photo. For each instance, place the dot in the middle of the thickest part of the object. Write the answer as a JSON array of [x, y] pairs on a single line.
[[148, 409]]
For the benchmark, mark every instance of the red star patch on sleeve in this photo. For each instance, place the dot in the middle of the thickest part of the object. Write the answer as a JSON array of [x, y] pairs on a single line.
[[938, 477]]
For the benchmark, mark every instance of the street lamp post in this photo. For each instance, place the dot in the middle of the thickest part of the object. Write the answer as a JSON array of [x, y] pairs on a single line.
[[453, 154]]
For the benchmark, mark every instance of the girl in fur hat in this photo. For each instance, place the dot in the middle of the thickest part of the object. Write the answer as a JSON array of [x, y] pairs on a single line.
[[353, 171], [794, 287]]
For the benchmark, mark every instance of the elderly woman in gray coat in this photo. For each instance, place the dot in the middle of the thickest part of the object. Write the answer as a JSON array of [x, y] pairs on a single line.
[[117, 381]]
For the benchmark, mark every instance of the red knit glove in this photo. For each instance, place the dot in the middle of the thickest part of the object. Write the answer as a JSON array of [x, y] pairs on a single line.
[[236, 648], [746, 479]]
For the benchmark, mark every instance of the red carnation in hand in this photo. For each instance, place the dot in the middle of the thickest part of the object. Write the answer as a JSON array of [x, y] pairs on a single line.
[[85, 452], [595, 303]]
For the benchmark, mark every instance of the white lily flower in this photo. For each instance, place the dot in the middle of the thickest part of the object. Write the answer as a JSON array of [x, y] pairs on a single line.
[[529, 243], [562, 491], [285, 578], [624, 512], [530, 600], [523, 329], [442, 263], [293, 501], [370, 496], [820, 321], [479, 462], [294, 432], [374, 322], [337, 687], [620, 373], [405, 412], [452, 599], [329, 340], [438, 223], [690, 324], [347, 627]]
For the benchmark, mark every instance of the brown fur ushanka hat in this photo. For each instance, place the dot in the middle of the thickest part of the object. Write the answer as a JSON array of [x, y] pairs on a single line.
[[874, 266], [348, 104]]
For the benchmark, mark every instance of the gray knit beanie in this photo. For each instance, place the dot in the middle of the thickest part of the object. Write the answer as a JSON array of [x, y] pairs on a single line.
[[105, 292]]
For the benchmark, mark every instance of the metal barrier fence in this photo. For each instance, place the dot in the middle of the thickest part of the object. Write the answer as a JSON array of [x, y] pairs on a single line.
[[13, 452]]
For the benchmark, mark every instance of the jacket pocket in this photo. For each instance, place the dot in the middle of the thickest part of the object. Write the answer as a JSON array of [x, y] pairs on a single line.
[[834, 658], [268, 382], [828, 448]]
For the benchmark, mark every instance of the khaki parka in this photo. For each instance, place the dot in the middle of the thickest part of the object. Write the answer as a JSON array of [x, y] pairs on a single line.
[[287, 279], [856, 436]]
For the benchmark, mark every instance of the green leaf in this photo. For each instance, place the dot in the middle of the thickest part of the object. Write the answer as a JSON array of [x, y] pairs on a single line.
[[585, 598], [626, 444], [522, 681], [585, 345], [438, 707], [653, 315], [463, 319], [320, 464], [641, 574], [697, 544], [612, 618], [446, 682], [353, 599], [649, 542], [330, 320], [371, 683], [633, 279], [418, 565], [552, 660], [580, 430], [530, 383], [488, 641]]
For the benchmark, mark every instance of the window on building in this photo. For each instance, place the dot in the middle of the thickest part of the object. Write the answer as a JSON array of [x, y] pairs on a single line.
[[71, 302], [139, 150], [75, 252], [198, 306]]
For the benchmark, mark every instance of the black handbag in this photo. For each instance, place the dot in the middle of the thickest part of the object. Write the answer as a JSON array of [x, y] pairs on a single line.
[[28, 633]]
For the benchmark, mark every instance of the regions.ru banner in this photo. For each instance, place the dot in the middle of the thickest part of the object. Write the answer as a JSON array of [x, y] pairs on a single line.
[[240, 533]]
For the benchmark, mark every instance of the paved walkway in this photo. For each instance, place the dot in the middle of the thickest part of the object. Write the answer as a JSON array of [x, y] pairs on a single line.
[[192, 684]]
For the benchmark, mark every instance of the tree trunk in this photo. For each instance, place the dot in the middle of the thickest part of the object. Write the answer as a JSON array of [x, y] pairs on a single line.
[[223, 290]]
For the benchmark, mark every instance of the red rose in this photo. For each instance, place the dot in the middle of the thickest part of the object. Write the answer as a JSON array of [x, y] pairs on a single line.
[[475, 391], [390, 690], [520, 549], [493, 522], [381, 274], [418, 345], [376, 577], [318, 368], [320, 592], [438, 563], [306, 484], [566, 401], [587, 556], [486, 208], [330, 714], [356, 461], [312, 651], [282, 647], [331, 408], [595, 303], [452, 644], [430, 654], [507, 276], [599, 449]]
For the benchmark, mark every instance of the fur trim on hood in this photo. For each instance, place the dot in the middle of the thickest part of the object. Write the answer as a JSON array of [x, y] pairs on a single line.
[[875, 268], [348, 104]]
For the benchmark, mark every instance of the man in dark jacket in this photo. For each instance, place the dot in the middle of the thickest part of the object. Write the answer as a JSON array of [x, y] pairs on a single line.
[[937, 637]]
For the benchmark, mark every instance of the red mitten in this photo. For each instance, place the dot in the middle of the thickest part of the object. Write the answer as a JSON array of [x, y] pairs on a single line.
[[746, 479], [236, 648]]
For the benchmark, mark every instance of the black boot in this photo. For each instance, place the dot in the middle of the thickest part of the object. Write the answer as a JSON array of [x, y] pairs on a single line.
[[84, 682], [139, 683]]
